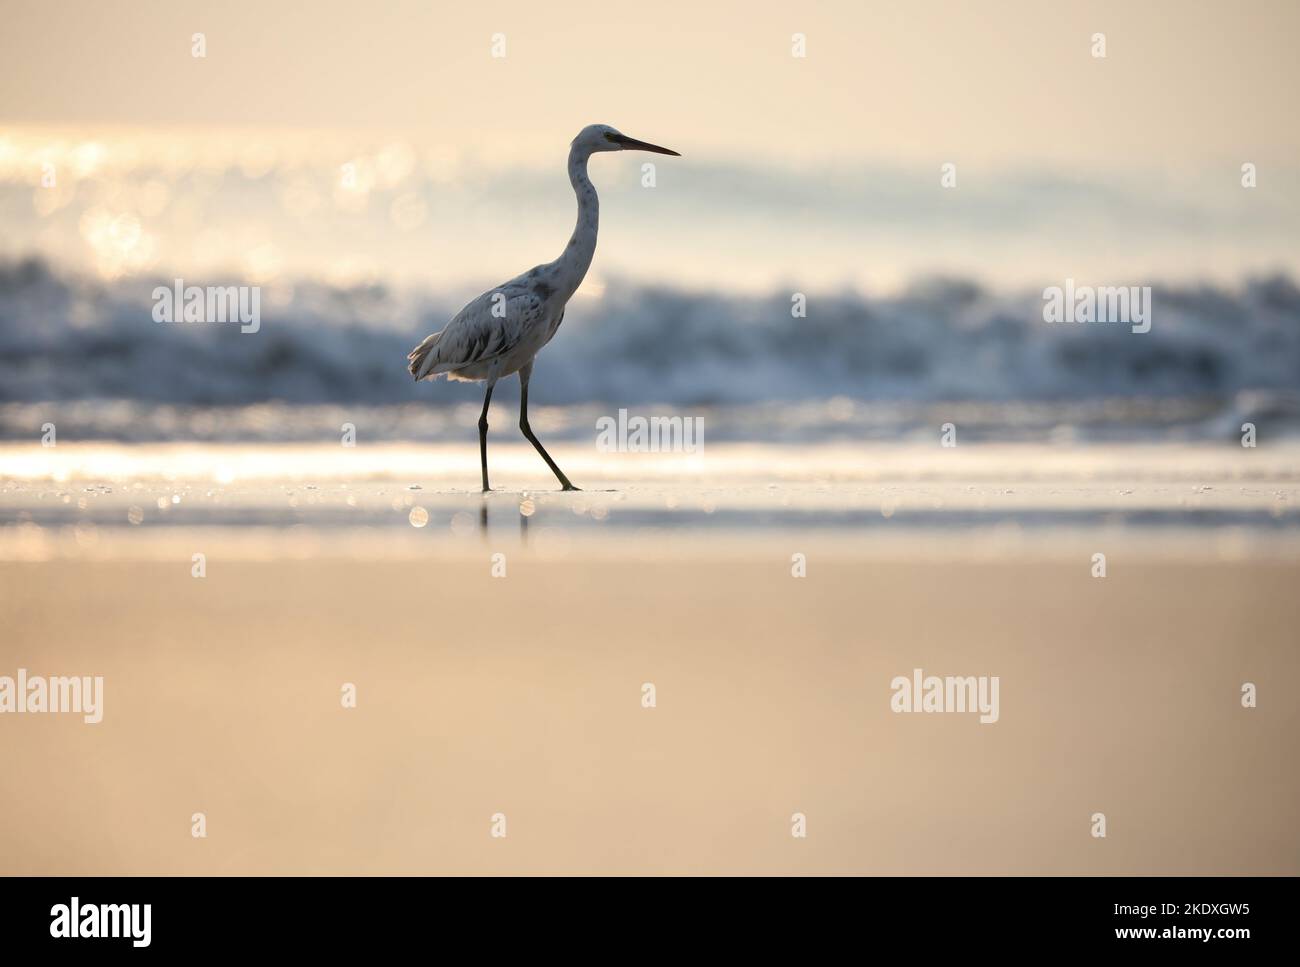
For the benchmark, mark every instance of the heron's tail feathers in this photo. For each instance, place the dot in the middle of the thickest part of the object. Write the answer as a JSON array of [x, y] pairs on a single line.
[[420, 359]]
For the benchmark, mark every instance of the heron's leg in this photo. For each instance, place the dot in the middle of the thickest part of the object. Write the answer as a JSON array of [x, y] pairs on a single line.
[[482, 431], [525, 375]]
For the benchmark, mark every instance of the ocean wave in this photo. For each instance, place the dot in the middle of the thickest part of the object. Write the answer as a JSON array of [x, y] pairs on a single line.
[[65, 337]]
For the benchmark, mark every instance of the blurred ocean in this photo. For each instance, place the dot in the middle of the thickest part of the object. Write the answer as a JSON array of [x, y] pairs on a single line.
[[924, 306], [85, 353]]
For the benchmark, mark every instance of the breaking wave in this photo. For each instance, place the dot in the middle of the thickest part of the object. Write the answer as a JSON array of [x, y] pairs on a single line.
[[66, 338]]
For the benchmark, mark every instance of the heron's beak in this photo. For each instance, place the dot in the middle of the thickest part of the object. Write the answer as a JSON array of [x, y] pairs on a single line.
[[632, 144]]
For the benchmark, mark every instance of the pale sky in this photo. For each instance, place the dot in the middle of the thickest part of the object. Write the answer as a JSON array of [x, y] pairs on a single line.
[[1184, 82]]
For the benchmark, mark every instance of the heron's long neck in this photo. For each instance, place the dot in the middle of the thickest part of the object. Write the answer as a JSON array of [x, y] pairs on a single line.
[[575, 261]]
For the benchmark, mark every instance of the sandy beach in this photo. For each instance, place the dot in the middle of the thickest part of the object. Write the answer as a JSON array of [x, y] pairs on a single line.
[[222, 696], [522, 694]]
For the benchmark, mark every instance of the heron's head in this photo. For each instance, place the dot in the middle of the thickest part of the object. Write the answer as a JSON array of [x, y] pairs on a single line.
[[601, 137]]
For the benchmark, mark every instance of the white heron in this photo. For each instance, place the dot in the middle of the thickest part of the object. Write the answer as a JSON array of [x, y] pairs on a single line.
[[501, 331]]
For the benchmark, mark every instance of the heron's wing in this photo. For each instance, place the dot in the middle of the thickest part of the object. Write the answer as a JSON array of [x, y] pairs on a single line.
[[490, 326]]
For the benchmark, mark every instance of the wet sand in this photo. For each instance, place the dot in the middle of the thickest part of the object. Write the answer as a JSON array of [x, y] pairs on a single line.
[[522, 695]]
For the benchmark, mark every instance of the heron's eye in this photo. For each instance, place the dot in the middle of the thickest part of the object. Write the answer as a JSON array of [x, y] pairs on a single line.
[[608, 136]]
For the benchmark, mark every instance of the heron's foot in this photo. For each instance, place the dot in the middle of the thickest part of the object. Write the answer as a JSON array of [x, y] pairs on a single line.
[[569, 486], [487, 490]]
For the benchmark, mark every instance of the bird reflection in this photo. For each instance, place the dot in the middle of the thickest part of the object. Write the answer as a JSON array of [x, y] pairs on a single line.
[[526, 510]]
